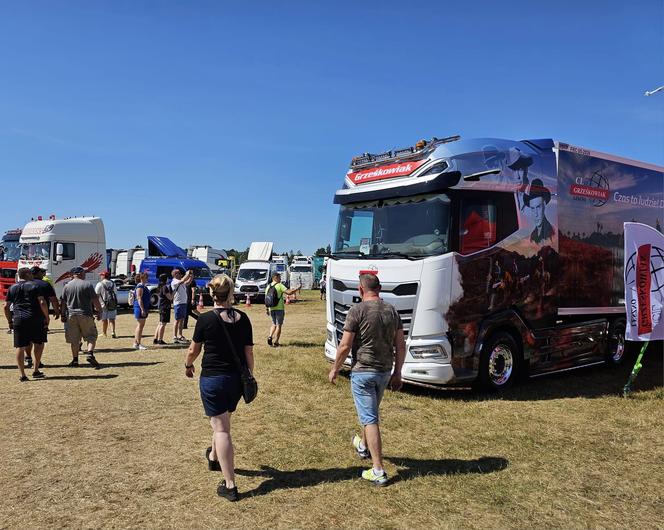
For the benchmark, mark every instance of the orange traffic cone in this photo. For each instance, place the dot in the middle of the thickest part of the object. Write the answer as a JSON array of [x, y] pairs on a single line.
[[247, 301], [201, 306]]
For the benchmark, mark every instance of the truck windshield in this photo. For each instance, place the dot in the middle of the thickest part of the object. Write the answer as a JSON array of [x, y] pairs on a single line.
[[411, 226], [10, 251], [36, 251], [252, 275], [301, 268]]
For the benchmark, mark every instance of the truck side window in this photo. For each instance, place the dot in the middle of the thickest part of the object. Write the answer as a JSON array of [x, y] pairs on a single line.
[[485, 220], [68, 251]]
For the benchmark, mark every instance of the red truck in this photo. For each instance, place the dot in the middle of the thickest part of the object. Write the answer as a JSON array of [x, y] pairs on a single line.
[[9, 254]]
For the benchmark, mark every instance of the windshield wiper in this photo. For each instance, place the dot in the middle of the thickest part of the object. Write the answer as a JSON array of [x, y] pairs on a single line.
[[348, 254], [391, 254]]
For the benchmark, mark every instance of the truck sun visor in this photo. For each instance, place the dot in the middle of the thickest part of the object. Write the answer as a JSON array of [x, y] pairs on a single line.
[[439, 183]]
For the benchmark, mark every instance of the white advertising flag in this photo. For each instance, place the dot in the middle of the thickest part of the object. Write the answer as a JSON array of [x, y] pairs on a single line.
[[644, 282]]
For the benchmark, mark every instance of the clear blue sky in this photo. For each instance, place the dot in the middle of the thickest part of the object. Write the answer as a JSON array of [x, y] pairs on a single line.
[[227, 122]]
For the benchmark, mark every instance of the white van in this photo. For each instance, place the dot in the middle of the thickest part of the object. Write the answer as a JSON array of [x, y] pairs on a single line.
[[255, 275], [59, 245]]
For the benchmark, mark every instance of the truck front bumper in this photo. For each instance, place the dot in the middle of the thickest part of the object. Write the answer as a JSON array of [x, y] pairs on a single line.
[[423, 373]]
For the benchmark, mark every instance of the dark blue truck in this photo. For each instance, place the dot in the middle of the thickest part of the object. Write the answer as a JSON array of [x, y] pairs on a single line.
[[163, 256]]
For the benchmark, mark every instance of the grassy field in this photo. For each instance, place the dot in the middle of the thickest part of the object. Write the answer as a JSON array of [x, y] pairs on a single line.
[[122, 447]]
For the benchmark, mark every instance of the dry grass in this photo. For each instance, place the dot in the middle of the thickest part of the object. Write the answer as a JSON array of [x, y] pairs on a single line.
[[123, 446]]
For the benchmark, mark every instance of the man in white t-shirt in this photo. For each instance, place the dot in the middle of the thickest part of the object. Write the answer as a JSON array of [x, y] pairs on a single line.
[[179, 285]]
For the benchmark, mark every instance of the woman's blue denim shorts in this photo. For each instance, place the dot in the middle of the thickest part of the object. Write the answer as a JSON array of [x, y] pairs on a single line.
[[220, 393]]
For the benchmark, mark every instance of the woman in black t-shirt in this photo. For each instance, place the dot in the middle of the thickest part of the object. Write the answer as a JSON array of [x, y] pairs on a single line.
[[220, 384]]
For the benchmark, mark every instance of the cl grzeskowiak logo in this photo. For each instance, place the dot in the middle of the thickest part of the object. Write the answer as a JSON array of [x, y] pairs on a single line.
[[593, 188]]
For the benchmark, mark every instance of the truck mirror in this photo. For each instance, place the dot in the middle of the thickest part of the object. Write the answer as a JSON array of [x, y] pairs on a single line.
[[59, 251]]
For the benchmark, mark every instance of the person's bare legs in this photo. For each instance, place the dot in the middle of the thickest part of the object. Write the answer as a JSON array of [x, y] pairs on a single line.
[[138, 334], [39, 350], [20, 356], [272, 328], [162, 331], [91, 347], [74, 351], [277, 334], [371, 439], [104, 327], [222, 446]]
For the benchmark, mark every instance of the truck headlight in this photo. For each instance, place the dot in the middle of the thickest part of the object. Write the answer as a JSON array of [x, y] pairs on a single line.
[[330, 336], [434, 352]]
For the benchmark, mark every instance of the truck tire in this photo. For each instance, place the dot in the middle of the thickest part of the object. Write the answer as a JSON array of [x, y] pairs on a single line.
[[500, 362], [615, 350], [154, 298]]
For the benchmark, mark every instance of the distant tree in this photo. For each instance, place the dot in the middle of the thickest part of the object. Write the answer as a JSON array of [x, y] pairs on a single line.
[[320, 252], [328, 250]]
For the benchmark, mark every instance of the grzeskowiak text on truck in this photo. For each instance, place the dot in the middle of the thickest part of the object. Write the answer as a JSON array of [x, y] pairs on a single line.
[[503, 258]]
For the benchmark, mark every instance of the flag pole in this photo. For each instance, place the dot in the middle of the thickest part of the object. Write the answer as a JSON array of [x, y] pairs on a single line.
[[627, 389]]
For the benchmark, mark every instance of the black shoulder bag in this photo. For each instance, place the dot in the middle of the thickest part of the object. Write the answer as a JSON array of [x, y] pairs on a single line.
[[249, 384]]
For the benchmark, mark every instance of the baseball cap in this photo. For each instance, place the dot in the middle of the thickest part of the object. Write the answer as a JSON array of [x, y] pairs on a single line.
[[77, 270]]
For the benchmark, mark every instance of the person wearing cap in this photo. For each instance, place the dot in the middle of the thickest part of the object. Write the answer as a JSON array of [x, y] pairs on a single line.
[[30, 320], [82, 303], [536, 198], [47, 291], [108, 299]]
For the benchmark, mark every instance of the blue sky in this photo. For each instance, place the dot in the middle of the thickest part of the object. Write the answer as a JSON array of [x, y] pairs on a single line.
[[230, 122]]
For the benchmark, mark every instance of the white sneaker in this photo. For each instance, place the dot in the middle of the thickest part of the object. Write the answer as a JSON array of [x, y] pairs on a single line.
[[139, 347]]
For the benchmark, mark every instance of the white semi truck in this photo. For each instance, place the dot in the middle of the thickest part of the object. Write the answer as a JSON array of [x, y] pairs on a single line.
[[59, 245], [502, 257]]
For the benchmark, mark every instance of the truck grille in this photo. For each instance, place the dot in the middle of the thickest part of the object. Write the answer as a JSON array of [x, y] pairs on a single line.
[[249, 289], [341, 310]]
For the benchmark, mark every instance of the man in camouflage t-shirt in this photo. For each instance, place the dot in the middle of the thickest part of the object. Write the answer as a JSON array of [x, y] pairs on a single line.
[[373, 333]]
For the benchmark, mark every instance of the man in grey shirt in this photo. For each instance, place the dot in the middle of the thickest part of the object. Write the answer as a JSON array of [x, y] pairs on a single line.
[[373, 332], [81, 300]]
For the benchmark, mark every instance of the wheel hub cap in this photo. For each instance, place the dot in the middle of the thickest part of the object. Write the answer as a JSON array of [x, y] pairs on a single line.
[[501, 362]]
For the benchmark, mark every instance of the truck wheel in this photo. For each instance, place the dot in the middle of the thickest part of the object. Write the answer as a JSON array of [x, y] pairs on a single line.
[[499, 362], [154, 299], [615, 352]]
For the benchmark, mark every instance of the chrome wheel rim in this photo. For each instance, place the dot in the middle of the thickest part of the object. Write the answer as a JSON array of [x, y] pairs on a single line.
[[501, 364], [619, 350]]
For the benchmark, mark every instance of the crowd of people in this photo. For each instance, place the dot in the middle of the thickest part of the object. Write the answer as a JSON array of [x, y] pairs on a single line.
[[373, 336]]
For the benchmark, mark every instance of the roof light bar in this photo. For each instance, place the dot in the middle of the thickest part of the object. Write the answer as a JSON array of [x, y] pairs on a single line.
[[422, 147]]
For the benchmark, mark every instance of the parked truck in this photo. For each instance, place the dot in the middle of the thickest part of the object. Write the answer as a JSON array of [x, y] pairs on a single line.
[[9, 254], [163, 256], [59, 245], [502, 257], [213, 257]]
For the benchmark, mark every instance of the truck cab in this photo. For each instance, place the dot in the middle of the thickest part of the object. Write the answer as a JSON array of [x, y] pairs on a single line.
[[59, 245], [9, 254]]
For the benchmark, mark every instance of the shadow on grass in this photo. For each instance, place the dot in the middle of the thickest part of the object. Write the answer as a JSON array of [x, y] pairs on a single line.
[[587, 382], [305, 344], [114, 350], [411, 468], [103, 365], [76, 377]]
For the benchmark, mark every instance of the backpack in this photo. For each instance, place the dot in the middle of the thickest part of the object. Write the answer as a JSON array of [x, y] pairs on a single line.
[[111, 299], [272, 296]]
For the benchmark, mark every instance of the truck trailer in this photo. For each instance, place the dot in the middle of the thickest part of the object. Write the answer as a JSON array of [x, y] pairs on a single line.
[[503, 258]]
